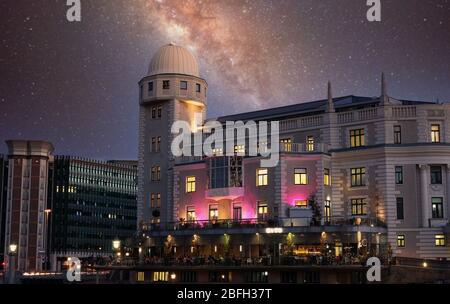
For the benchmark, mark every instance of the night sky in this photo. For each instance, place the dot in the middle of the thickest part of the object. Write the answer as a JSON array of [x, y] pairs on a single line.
[[75, 84]]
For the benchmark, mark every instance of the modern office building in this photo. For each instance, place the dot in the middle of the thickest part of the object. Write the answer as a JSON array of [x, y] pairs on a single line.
[[92, 203], [26, 202], [357, 176]]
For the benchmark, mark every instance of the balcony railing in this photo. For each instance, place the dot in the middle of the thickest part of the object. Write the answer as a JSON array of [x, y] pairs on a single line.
[[270, 223]]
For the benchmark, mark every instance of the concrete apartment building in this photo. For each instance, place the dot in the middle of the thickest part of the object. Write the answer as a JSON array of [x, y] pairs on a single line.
[[356, 175]]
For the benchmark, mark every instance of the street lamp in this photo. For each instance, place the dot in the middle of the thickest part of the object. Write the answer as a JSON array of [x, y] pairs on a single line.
[[12, 263], [116, 248]]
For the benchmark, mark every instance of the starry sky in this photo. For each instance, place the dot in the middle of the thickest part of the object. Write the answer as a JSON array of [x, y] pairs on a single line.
[[75, 84]]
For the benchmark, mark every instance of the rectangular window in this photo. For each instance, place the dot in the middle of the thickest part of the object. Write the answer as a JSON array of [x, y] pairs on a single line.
[[437, 207], [158, 200], [166, 84], [286, 144], [358, 177], [141, 92], [153, 144], [213, 212], [261, 177], [183, 85], [326, 177], [310, 144], [239, 149], [217, 151], [152, 200], [359, 206], [397, 134], [153, 112], [237, 213], [158, 173], [141, 276], [159, 111], [400, 240], [160, 276], [150, 87], [300, 176], [439, 240], [398, 175], [400, 215], [153, 177], [436, 174], [190, 214], [263, 211], [158, 144], [198, 88], [435, 133], [301, 203], [357, 138], [327, 210], [190, 184]]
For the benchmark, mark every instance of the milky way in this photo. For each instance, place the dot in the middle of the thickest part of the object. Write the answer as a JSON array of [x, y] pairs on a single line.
[[75, 84]]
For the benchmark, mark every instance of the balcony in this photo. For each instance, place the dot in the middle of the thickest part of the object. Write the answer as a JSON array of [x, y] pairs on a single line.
[[290, 224], [224, 193]]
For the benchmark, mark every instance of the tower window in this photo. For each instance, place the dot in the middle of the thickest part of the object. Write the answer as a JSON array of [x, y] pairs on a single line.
[[435, 133], [153, 112], [166, 84], [397, 134], [183, 85], [156, 173], [326, 177], [357, 138], [401, 240], [159, 111], [300, 176], [190, 184], [150, 87], [198, 88], [261, 177]]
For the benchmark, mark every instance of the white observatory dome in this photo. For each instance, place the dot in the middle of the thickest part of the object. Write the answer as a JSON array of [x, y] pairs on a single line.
[[173, 59]]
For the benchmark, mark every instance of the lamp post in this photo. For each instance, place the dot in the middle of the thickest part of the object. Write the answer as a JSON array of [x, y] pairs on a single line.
[[116, 247], [12, 263]]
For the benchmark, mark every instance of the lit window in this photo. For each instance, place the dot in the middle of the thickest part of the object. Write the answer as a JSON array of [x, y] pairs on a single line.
[[183, 85], [359, 206], [399, 175], [439, 240], [190, 184], [217, 151], [213, 212], [239, 149], [435, 133], [263, 211], [152, 200], [357, 138], [198, 88], [400, 240], [190, 214], [300, 176], [397, 134], [310, 144], [141, 276], [358, 177], [327, 210], [326, 177], [160, 276], [261, 177], [286, 144], [437, 207], [166, 84], [301, 203], [436, 174], [158, 200]]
